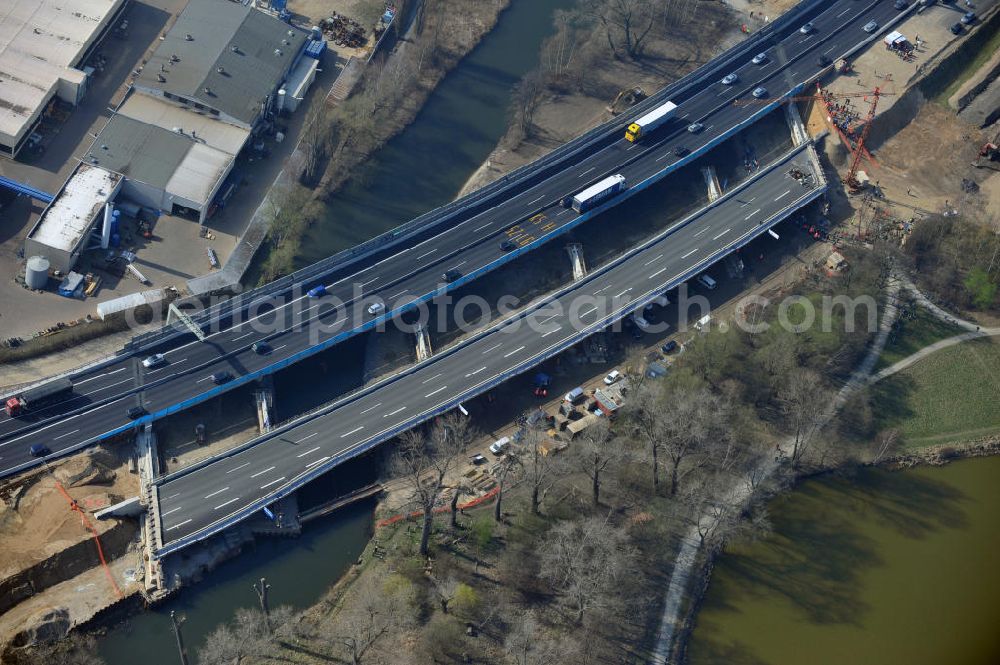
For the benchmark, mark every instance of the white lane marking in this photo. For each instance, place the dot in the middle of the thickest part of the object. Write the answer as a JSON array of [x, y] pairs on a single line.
[[172, 510], [663, 156], [492, 348], [177, 526], [563, 212], [536, 200], [480, 228], [63, 436], [216, 492], [829, 49], [372, 407], [241, 466], [396, 295], [689, 253], [547, 318], [236, 339], [520, 348], [261, 473], [427, 254], [551, 331], [476, 372], [399, 410], [585, 313], [752, 214], [370, 281], [223, 505], [722, 234], [279, 348], [435, 392], [319, 461], [634, 145], [623, 292], [709, 127], [308, 452], [658, 272], [653, 260], [433, 377], [204, 379], [587, 171], [700, 232], [172, 496], [172, 363], [846, 11], [783, 195], [99, 376], [106, 387], [306, 438], [273, 482], [602, 290], [353, 431]]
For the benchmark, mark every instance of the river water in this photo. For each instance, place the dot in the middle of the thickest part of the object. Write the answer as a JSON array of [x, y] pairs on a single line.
[[426, 166], [423, 167], [877, 568]]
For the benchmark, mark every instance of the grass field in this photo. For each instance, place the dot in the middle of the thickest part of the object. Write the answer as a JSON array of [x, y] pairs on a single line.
[[952, 395], [914, 334]]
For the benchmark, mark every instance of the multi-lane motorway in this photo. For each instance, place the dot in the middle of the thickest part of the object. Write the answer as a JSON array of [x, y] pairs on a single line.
[[102, 396], [194, 501]]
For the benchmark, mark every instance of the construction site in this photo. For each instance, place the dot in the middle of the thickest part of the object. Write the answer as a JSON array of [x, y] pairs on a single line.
[[897, 139]]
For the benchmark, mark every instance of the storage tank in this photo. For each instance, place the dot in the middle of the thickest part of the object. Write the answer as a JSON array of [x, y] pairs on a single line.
[[281, 100], [36, 274], [316, 34]]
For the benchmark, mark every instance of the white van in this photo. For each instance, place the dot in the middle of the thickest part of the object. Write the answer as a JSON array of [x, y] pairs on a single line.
[[500, 445], [706, 280], [703, 322]]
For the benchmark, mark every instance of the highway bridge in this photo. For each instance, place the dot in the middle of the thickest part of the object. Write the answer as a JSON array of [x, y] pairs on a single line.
[[206, 498], [468, 240]]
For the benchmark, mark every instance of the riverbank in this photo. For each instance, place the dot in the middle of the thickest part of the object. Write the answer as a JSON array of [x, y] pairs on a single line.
[[577, 85], [389, 96]]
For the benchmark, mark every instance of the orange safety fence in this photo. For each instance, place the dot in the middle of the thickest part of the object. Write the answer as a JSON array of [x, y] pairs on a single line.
[[443, 509], [100, 551]]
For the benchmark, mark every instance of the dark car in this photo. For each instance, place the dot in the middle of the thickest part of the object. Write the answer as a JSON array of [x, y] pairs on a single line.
[[508, 245], [956, 29], [900, 4], [222, 377], [38, 450], [669, 347], [452, 275], [680, 151], [135, 412], [317, 291], [969, 18], [261, 348], [823, 61]]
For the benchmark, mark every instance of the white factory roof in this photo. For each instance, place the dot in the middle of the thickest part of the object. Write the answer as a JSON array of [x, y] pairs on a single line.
[[301, 77], [196, 176], [131, 301], [214, 133], [70, 214], [41, 43]]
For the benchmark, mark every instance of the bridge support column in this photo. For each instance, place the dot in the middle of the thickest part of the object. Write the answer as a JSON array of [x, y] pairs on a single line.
[[712, 180], [424, 350], [263, 397], [149, 468], [799, 134], [575, 250]]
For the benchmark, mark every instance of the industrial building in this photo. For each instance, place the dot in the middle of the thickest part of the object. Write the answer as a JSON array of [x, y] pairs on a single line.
[[43, 44], [63, 231]]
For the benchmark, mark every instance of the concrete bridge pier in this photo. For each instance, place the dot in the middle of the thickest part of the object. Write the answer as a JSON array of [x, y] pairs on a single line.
[[149, 468], [798, 129], [264, 399], [424, 350], [575, 250], [712, 180]]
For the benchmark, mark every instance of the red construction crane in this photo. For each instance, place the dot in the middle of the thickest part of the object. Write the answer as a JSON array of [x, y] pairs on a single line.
[[851, 179]]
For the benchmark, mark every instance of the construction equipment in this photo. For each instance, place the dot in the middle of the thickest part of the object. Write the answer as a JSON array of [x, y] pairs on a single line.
[[989, 152], [851, 179]]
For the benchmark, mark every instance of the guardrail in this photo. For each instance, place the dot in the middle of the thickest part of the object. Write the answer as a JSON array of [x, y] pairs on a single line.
[[511, 180], [556, 348]]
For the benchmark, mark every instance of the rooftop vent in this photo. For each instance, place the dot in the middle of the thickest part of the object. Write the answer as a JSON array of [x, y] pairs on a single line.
[[188, 37], [208, 91], [161, 78], [234, 48], [174, 58], [277, 52], [221, 70]]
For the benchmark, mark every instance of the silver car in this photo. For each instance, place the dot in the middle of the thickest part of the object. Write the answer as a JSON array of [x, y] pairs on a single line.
[[760, 93], [695, 127], [870, 27], [154, 360], [759, 59], [730, 79]]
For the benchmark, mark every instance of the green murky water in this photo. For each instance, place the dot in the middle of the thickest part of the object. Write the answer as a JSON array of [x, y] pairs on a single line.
[[881, 568]]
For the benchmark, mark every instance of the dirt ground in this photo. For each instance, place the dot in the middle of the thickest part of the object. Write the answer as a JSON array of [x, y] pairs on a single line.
[[36, 521]]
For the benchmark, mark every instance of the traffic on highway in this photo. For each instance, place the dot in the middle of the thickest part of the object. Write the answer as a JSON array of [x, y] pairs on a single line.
[[116, 396]]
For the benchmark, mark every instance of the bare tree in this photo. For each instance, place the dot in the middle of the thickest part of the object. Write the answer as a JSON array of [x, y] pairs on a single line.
[[585, 561], [888, 442], [505, 471], [74, 649], [647, 422], [627, 22], [541, 471], [695, 432], [423, 461], [802, 402], [247, 636], [525, 101], [597, 450], [379, 607], [527, 644], [457, 491], [445, 590]]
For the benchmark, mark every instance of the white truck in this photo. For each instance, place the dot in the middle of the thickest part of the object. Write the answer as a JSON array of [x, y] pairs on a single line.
[[650, 121], [596, 193]]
